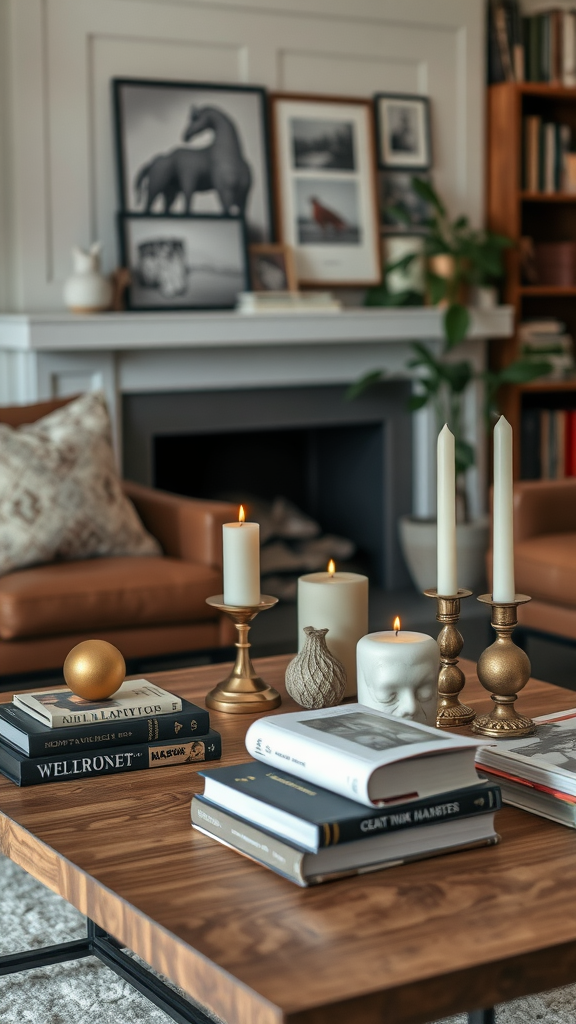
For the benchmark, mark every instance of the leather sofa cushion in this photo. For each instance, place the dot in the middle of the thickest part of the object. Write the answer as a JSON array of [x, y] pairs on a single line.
[[545, 568], [104, 593]]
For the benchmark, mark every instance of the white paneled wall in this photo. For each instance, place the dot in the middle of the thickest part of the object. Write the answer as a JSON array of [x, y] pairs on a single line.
[[56, 133]]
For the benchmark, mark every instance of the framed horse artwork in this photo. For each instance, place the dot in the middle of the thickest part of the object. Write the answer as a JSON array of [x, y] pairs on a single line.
[[194, 148], [325, 178]]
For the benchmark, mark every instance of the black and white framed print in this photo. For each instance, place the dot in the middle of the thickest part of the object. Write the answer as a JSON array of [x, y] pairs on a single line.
[[325, 181], [272, 268], [396, 193], [188, 147], [403, 131], [186, 262]]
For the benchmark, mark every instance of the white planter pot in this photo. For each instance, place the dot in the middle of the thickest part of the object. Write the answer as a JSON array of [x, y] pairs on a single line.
[[418, 542]]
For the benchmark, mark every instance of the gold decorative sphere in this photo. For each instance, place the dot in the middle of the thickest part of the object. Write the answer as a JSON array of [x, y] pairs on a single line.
[[94, 669]]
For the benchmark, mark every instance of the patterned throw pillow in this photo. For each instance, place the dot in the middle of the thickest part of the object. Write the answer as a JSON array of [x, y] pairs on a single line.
[[60, 495]]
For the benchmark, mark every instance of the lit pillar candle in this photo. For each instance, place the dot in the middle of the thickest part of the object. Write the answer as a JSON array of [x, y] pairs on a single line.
[[338, 602], [398, 673], [241, 562], [503, 587], [447, 583]]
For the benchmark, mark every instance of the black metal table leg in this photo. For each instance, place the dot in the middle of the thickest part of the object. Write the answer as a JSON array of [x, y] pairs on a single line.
[[482, 1016], [11, 963]]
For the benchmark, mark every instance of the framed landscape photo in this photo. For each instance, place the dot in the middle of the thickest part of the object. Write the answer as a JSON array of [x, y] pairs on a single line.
[[186, 262], [272, 268], [190, 147], [325, 177], [396, 192], [403, 131]]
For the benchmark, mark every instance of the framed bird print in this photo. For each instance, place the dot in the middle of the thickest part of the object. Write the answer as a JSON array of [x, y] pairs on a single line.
[[325, 179]]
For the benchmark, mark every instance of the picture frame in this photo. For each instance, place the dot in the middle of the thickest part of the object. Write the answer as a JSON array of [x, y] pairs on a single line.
[[194, 148], [403, 131], [395, 190], [194, 261], [272, 268], [325, 188]]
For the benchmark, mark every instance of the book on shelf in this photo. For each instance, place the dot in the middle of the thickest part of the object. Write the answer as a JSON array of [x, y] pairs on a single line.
[[252, 303], [356, 857], [549, 44], [31, 771], [366, 755], [538, 773], [36, 738], [505, 42], [136, 698], [546, 154], [313, 817], [548, 444]]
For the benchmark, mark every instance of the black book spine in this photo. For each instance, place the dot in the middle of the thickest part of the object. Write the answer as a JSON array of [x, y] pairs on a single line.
[[77, 738], [443, 807], [530, 468], [30, 771]]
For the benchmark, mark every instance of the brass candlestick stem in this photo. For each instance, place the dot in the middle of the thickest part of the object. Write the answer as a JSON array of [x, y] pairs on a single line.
[[450, 712], [242, 692], [504, 669]]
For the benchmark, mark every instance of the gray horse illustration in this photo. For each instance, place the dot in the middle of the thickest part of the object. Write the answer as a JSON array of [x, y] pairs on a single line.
[[220, 166]]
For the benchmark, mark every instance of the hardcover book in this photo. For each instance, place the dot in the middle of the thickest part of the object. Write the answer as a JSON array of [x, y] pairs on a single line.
[[37, 739], [31, 771], [366, 755], [136, 698], [379, 851], [313, 817]]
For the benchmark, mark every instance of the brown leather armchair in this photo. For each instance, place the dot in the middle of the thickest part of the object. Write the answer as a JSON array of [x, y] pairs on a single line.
[[545, 554], [144, 606]]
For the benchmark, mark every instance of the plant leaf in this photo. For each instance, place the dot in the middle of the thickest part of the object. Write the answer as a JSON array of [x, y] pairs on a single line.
[[418, 402], [464, 456], [362, 385], [424, 190], [437, 288], [456, 324]]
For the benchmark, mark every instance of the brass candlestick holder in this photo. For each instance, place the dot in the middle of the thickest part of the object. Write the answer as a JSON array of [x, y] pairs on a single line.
[[450, 712], [242, 692], [504, 669]]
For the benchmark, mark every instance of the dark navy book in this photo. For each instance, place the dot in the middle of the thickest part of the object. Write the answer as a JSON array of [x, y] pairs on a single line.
[[313, 817], [36, 739]]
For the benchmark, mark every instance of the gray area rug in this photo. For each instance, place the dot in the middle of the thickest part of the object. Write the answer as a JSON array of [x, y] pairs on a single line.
[[87, 992]]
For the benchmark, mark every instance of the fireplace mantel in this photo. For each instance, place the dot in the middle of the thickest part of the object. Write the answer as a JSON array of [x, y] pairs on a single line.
[[44, 355]]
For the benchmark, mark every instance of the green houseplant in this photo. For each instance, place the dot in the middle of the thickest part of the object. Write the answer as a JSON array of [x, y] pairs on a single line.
[[474, 257]]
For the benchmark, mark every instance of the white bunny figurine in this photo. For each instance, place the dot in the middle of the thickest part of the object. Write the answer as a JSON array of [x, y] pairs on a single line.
[[87, 290]]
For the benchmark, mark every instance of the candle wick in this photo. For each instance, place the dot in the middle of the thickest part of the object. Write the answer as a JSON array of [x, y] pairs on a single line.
[[396, 632]]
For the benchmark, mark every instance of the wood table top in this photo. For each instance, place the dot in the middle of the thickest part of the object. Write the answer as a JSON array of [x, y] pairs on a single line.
[[406, 945]]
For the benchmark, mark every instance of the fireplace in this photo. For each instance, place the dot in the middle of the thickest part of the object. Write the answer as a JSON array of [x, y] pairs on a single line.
[[346, 464]]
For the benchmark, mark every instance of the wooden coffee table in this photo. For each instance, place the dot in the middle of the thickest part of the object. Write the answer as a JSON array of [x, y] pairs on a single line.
[[404, 945]]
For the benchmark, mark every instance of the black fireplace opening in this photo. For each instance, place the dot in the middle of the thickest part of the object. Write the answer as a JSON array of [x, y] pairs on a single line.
[[333, 474]]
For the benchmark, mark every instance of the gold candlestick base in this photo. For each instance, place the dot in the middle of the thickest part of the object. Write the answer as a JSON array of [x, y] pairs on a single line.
[[504, 670], [243, 692], [450, 712]]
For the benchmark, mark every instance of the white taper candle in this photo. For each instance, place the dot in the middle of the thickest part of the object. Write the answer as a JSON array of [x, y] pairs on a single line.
[[503, 587], [447, 580]]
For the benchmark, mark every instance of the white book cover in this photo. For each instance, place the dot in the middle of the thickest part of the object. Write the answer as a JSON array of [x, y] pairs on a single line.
[[136, 698], [363, 754], [548, 757]]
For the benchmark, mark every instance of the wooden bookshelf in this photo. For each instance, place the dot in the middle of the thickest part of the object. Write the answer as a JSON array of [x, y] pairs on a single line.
[[512, 211]]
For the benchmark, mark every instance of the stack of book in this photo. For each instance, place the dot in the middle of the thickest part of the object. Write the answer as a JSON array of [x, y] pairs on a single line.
[[505, 42], [538, 773], [53, 735], [547, 160], [549, 40], [344, 791]]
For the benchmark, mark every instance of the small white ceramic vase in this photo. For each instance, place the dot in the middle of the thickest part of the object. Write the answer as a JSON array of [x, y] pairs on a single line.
[[87, 290]]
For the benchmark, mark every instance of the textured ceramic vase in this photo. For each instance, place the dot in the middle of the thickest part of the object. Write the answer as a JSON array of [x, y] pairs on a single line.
[[315, 678]]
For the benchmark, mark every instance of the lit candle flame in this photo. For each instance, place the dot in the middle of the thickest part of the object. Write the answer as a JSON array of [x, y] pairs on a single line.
[[331, 567], [241, 514], [396, 625]]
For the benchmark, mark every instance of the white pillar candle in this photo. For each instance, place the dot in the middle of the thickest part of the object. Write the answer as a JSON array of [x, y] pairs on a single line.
[[338, 602], [241, 563], [503, 587], [447, 582], [398, 674]]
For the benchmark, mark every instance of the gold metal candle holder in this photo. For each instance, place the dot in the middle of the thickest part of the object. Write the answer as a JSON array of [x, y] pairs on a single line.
[[450, 712], [504, 669], [243, 692]]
